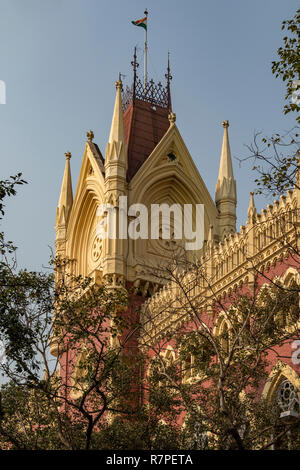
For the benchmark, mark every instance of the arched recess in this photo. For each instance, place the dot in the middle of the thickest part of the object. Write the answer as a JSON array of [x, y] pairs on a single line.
[[82, 230], [167, 188], [159, 181], [222, 330], [282, 394], [78, 378], [169, 355], [288, 283], [291, 284], [280, 372], [158, 363], [291, 275]]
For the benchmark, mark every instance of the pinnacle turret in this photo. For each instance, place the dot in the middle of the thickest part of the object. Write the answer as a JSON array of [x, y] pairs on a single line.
[[116, 146], [226, 188], [251, 208], [66, 194]]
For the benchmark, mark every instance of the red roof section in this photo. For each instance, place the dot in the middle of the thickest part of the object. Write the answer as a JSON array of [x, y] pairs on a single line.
[[144, 126]]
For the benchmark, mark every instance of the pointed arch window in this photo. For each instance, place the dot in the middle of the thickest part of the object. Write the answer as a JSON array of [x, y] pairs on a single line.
[[286, 408], [222, 332], [287, 397]]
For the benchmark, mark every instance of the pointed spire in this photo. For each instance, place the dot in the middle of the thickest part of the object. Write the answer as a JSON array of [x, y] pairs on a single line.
[[210, 238], [117, 125], [116, 147], [66, 193], [225, 170], [251, 208], [226, 188]]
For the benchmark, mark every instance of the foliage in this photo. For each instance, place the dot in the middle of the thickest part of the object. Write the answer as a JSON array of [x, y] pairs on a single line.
[[76, 398], [288, 65], [276, 157], [276, 160], [215, 379]]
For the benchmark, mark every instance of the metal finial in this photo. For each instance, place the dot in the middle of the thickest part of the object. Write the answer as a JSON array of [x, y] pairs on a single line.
[[146, 12], [90, 135], [68, 155], [225, 124], [135, 65], [119, 84], [168, 74], [169, 78], [172, 117]]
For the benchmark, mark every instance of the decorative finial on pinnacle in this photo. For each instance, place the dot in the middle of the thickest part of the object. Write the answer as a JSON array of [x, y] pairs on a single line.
[[172, 118], [68, 155], [146, 12], [251, 208], [225, 124], [119, 84], [90, 135]]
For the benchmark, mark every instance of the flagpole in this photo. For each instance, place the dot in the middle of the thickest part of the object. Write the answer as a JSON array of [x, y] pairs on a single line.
[[145, 53]]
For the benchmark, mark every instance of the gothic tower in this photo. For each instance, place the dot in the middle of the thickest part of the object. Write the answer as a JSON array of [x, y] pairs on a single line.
[[147, 161]]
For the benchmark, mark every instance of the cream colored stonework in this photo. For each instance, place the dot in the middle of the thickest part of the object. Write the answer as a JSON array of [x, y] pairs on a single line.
[[159, 180]]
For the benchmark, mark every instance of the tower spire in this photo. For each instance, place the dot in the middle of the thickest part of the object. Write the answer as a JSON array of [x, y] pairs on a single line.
[[226, 188], [225, 170], [116, 147], [66, 193], [115, 185]]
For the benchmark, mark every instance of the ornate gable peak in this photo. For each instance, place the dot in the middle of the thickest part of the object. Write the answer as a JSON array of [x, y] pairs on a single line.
[[116, 146], [159, 165]]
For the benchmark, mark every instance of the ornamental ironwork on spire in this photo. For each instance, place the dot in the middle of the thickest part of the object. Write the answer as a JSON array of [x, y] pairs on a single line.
[[154, 93]]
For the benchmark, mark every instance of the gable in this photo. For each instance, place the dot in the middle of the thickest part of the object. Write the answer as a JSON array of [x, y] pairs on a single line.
[[170, 165], [81, 235]]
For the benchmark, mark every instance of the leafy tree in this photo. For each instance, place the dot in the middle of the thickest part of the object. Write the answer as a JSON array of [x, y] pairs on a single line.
[[276, 157], [288, 65], [76, 398], [216, 377]]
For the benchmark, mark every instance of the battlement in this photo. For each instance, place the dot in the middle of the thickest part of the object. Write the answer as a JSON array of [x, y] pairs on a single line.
[[265, 239]]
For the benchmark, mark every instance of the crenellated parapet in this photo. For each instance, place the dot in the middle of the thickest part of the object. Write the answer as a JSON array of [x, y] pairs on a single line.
[[267, 238]]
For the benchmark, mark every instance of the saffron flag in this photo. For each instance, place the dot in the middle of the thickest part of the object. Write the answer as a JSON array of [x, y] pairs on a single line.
[[142, 23]]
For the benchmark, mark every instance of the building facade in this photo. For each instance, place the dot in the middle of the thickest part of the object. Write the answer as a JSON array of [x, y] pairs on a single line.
[[147, 161]]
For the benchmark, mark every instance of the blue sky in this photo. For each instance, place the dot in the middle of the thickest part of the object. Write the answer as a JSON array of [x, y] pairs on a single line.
[[60, 58]]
